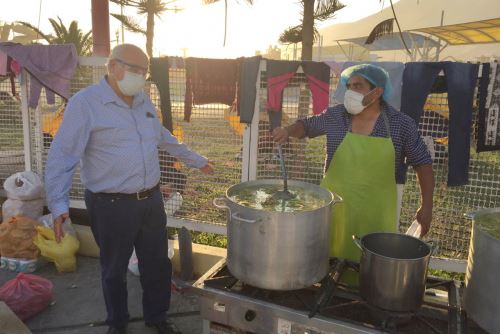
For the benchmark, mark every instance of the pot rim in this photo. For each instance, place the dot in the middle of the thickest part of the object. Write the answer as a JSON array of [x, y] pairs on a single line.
[[395, 258], [334, 198]]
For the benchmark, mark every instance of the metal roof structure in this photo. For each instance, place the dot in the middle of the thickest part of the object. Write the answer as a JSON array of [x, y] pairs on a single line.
[[393, 41], [478, 32]]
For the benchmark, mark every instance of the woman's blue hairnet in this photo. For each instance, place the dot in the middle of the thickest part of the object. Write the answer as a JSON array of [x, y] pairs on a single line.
[[374, 74]]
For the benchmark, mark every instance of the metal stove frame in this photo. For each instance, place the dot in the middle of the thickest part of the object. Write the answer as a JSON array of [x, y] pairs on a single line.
[[258, 316]]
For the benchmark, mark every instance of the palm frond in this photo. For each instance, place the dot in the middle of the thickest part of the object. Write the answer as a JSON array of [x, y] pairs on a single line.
[[383, 28], [129, 3], [48, 38], [129, 23], [291, 35], [326, 9]]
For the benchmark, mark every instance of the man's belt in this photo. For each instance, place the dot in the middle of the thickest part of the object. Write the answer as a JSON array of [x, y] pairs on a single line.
[[140, 195]]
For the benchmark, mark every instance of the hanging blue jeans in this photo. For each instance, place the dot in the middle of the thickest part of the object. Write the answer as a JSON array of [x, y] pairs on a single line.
[[461, 80]]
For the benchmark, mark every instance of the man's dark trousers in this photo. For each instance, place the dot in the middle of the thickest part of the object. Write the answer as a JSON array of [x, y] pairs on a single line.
[[119, 224]]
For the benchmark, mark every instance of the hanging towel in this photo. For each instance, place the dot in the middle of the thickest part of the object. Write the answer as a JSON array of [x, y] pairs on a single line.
[[50, 66], [395, 71], [418, 79], [488, 136], [210, 81]]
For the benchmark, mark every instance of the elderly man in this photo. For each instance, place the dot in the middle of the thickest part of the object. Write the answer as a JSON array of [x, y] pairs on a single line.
[[367, 144], [112, 129]]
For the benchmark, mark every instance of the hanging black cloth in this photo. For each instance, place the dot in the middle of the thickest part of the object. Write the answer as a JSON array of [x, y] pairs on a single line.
[[160, 76], [488, 123]]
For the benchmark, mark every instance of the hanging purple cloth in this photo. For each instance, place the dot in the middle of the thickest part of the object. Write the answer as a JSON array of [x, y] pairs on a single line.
[[50, 66]]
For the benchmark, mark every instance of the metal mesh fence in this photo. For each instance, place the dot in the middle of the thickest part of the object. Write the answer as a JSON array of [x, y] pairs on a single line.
[[11, 130], [45, 120], [450, 230], [212, 131], [215, 132]]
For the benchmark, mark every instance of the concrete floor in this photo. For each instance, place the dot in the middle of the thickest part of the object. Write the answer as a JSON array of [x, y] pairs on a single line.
[[78, 306]]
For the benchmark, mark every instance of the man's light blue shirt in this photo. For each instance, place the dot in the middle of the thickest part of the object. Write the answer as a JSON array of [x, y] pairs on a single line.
[[116, 146]]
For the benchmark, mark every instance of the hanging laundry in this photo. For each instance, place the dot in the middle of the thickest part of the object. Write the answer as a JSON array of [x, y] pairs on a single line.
[[418, 80], [336, 66], [279, 73], [247, 90], [3, 64], [488, 132], [50, 66], [160, 75], [170, 167], [176, 62], [210, 81], [318, 76], [395, 70]]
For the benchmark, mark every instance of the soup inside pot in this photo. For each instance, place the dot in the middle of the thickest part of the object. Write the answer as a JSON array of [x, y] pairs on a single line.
[[261, 197]]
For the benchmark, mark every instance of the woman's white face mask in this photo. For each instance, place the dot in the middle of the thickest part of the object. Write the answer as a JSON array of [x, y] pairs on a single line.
[[353, 101], [131, 84]]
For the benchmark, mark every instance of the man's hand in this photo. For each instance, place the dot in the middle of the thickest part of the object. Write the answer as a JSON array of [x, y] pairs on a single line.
[[280, 135], [208, 168], [424, 218], [58, 231]]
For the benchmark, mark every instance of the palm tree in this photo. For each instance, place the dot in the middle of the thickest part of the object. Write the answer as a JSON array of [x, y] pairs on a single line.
[[306, 32], [208, 2], [150, 8], [64, 35]]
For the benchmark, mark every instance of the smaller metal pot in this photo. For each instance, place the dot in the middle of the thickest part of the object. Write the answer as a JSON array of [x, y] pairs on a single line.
[[393, 270]]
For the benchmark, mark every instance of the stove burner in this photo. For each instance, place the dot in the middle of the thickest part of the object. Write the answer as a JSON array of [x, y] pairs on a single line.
[[331, 301]]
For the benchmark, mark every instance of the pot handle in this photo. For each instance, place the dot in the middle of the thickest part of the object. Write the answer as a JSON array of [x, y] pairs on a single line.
[[337, 199], [433, 244], [237, 217], [470, 215], [357, 241], [219, 205]]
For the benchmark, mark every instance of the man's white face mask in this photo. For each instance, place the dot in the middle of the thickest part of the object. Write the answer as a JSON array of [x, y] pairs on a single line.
[[353, 101], [131, 84]]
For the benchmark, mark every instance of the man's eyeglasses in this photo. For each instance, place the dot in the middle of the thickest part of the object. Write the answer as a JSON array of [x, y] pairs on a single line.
[[133, 68]]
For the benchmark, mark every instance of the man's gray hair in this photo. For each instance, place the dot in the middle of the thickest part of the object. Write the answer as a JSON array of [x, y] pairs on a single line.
[[118, 51]]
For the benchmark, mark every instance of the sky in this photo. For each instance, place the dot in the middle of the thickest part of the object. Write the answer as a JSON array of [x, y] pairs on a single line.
[[198, 29]]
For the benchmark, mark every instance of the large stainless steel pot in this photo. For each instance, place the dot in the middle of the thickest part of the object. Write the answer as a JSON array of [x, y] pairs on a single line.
[[278, 250], [482, 279], [393, 270]]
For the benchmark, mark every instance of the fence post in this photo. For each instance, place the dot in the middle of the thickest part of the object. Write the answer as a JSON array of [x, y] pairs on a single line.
[[251, 135], [26, 119]]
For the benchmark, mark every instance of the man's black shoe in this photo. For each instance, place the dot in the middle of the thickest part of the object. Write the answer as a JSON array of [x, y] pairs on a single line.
[[117, 330], [164, 327]]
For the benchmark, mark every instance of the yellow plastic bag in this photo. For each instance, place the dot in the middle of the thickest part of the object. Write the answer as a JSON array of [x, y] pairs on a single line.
[[62, 254]]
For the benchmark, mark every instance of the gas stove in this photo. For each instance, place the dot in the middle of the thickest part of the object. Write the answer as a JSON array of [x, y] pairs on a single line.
[[230, 306]]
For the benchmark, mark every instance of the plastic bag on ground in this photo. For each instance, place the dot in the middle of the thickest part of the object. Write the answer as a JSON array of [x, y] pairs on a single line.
[[172, 203], [16, 238], [62, 254], [27, 295], [29, 208], [24, 186]]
